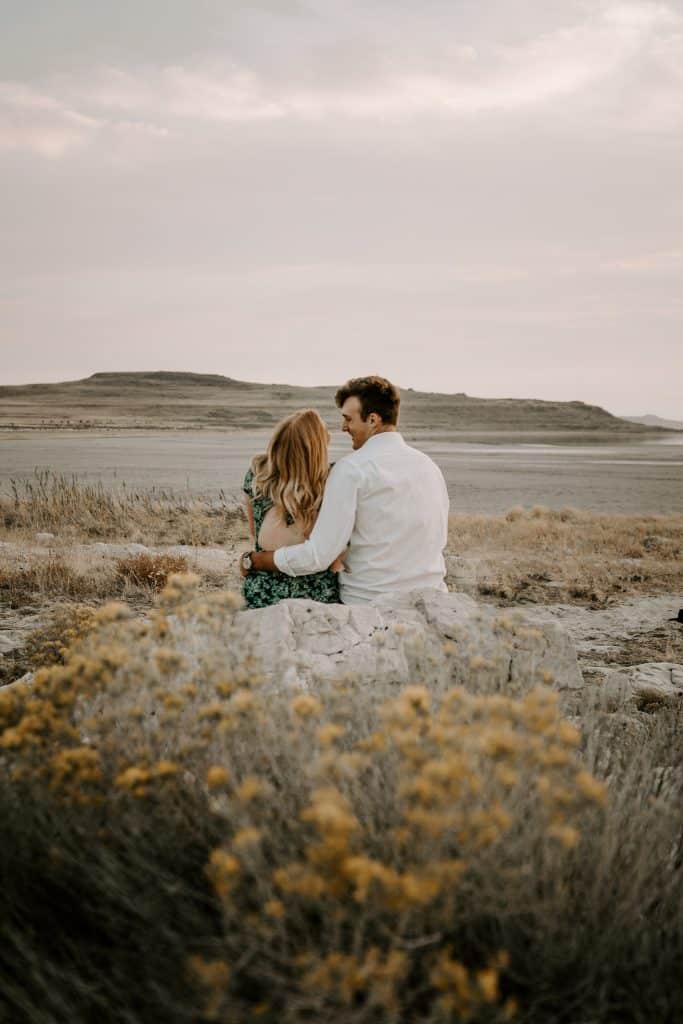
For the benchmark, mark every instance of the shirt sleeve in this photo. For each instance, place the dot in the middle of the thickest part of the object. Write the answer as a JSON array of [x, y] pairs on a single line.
[[247, 485], [332, 530], [446, 506]]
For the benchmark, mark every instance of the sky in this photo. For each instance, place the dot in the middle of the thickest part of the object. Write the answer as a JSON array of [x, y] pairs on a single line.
[[462, 195]]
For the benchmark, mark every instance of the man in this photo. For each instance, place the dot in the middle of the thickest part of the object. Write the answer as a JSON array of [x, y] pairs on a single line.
[[386, 500]]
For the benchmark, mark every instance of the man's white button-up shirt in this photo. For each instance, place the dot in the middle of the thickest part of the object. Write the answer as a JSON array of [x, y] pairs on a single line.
[[389, 503]]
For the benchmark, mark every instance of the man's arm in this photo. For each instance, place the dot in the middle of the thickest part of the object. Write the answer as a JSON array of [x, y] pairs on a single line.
[[262, 561], [329, 536]]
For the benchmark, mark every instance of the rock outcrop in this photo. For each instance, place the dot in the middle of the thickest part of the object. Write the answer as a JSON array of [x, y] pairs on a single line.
[[623, 712], [645, 688], [408, 637]]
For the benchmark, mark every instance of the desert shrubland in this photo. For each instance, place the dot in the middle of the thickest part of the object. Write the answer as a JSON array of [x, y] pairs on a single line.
[[541, 554], [185, 841], [76, 510], [536, 554]]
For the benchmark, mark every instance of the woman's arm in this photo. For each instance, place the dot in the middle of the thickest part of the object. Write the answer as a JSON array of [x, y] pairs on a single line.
[[250, 517]]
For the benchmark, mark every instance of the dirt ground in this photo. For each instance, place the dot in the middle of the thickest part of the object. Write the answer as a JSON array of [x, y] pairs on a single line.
[[616, 616]]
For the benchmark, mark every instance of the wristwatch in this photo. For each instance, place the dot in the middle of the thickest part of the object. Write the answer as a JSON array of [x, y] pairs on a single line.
[[247, 564]]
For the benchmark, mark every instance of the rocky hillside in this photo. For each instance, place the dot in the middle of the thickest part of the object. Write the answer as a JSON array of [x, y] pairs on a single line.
[[165, 400], [655, 421]]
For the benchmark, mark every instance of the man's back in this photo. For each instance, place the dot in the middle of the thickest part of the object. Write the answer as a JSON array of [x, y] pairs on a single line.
[[389, 503], [401, 520]]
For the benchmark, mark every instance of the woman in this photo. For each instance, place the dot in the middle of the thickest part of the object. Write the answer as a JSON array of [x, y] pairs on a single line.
[[283, 492]]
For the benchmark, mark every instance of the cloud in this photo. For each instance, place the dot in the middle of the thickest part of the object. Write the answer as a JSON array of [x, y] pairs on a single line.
[[668, 261], [31, 120], [449, 78], [337, 69]]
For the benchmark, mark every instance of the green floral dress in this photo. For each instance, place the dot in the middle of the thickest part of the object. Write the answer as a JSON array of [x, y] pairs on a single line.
[[264, 588]]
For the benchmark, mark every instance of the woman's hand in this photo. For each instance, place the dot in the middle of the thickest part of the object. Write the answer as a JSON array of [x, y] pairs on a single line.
[[338, 564]]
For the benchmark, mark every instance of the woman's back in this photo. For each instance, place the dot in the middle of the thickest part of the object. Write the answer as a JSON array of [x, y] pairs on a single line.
[[271, 531], [277, 533], [284, 490]]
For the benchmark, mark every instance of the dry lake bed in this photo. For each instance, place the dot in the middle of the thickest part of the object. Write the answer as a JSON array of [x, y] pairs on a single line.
[[629, 476]]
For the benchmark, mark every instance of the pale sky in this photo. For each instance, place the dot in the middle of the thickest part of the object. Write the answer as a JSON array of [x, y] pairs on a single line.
[[462, 195]]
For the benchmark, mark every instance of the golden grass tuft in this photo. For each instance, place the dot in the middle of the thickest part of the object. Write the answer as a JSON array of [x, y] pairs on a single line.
[[150, 570], [51, 576]]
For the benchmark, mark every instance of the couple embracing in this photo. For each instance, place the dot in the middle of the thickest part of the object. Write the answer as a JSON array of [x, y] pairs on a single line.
[[371, 524]]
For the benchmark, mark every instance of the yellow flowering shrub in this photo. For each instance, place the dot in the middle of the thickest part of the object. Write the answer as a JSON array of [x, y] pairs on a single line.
[[365, 852]]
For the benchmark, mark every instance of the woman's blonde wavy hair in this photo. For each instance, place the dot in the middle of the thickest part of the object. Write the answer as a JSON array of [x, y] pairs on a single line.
[[293, 471]]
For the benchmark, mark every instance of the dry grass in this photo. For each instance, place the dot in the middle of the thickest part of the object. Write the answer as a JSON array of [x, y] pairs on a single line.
[[184, 843], [150, 570], [52, 577], [544, 555], [664, 643], [67, 625], [76, 511], [538, 554], [42, 580], [42, 590]]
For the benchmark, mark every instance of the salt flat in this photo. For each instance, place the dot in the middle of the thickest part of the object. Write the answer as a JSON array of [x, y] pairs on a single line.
[[490, 474]]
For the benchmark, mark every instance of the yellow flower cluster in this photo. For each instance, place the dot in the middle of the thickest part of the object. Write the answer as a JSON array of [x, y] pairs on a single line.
[[213, 976], [222, 871], [463, 992], [217, 777], [138, 778], [75, 774], [306, 706], [341, 977]]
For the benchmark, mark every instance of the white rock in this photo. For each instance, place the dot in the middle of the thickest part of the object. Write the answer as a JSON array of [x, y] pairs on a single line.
[[113, 550], [407, 638], [646, 687], [603, 630], [45, 538]]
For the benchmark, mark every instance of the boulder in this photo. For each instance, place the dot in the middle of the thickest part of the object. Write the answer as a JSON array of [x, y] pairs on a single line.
[[645, 688], [447, 637]]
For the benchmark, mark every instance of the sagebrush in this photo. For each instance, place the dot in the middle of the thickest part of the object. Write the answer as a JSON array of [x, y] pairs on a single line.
[[187, 842]]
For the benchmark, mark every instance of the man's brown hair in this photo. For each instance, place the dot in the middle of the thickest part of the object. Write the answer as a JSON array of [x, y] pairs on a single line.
[[375, 394]]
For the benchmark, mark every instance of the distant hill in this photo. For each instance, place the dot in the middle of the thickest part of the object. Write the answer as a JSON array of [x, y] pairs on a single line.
[[655, 421], [166, 400]]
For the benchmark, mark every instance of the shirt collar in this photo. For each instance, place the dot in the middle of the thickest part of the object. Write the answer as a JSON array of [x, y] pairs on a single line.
[[387, 437]]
